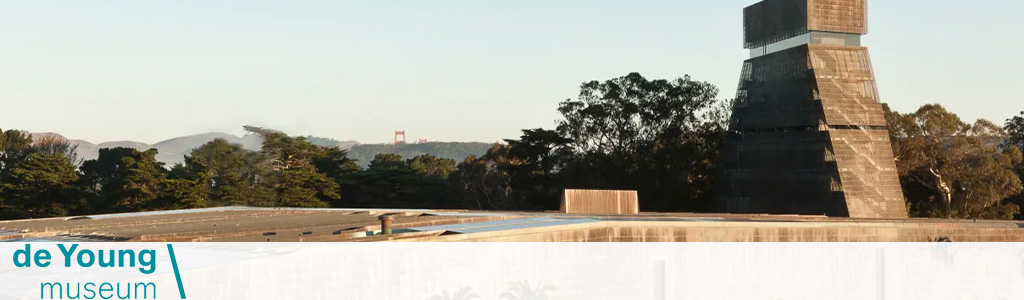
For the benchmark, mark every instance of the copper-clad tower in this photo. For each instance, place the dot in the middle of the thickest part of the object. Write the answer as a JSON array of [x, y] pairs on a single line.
[[808, 133]]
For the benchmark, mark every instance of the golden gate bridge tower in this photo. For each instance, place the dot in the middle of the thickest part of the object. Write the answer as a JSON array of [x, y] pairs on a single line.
[[398, 134]]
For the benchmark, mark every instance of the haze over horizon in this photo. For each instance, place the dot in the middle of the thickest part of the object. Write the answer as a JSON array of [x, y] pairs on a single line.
[[452, 71], [169, 138]]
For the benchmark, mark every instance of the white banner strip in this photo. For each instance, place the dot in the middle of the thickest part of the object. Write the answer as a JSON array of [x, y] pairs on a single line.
[[512, 271]]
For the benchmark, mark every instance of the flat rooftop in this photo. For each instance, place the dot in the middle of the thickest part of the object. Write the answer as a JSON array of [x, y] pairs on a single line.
[[243, 224]]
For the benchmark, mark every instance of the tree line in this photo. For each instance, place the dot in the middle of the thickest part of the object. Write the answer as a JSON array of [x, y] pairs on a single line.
[[659, 137]]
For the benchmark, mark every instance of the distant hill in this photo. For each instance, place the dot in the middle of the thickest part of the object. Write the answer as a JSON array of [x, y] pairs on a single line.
[[124, 144], [173, 151], [329, 142], [187, 143], [453, 150]]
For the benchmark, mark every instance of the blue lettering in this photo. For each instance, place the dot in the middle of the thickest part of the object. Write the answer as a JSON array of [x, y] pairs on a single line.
[[43, 258], [81, 260], [122, 254], [145, 290], [78, 291], [149, 263], [127, 290], [27, 262], [67, 253], [106, 287], [59, 293], [109, 263], [88, 289]]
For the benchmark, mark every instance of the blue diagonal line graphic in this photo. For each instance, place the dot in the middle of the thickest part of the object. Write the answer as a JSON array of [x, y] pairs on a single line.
[[177, 275]]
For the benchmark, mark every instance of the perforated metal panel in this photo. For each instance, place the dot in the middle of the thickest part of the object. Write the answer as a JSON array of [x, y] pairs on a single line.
[[845, 16], [772, 21], [846, 85], [808, 130]]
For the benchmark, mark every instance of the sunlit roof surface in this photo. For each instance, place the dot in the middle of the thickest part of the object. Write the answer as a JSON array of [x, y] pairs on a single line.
[[504, 225]]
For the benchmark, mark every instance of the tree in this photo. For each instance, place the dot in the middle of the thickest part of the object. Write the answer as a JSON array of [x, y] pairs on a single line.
[[1015, 129], [335, 162], [282, 151], [517, 176], [540, 149], [15, 147], [44, 183], [391, 182], [259, 182], [294, 179], [123, 179], [533, 162], [383, 161], [628, 114], [230, 172], [184, 193], [951, 169], [484, 183], [429, 165], [659, 137], [302, 186]]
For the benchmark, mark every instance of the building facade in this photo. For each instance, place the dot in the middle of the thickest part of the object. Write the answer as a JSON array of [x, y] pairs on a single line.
[[808, 132]]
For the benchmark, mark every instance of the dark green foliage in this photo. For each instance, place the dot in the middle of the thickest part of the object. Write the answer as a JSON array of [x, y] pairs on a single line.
[[42, 186], [292, 175], [365, 153], [386, 161], [1015, 131], [123, 180], [184, 193], [335, 162], [659, 137], [391, 182], [520, 175], [497, 181], [37, 179], [430, 165], [302, 186], [230, 172], [15, 147]]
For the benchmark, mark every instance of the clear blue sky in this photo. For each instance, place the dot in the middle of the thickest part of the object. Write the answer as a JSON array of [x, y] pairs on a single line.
[[467, 70]]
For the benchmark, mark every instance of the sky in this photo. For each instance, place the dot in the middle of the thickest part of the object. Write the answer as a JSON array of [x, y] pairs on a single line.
[[443, 70]]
